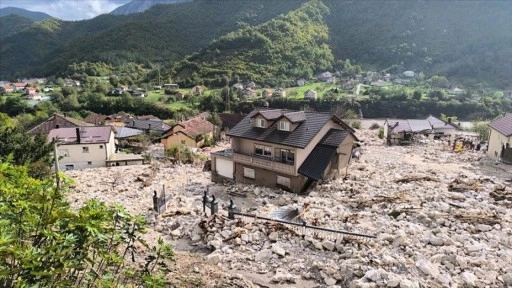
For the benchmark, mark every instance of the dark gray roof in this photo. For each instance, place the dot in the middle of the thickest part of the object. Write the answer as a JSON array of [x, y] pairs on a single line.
[[59, 120], [294, 117], [317, 161], [334, 137], [154, 125], [503, 125], [269, 114], [125, 132], [300, 137]]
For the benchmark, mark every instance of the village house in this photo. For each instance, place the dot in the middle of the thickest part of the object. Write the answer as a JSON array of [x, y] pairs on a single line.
[[149, 125], [89, 147], [310, 95], [249, 93], [402, 131], [286, 149], [325, 76], [18, 86], [409, 74], [197, 90], [5, 89], [267, 93], [238, 87], [301, 82], [191, 133], [171, 87], [229, 120], [280, 92], [56, 121], [500, 139], [442, 128]]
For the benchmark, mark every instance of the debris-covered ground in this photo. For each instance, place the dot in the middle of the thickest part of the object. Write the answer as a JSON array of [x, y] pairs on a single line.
[[440, 219]]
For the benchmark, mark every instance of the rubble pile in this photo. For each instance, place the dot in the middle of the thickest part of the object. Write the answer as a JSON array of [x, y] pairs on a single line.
[[439, 221]]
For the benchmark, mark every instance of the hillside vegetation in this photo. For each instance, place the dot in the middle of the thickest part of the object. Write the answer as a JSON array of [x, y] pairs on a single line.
[[469, 41], [292, 45]]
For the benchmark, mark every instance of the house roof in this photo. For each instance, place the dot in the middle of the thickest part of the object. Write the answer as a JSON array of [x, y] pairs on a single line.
[[57, 120], [300, 137], [503, 125], [95, 118], [229, 120], [195, 126], [296, 116], [315, 164], [440, 124], [125, 132], [409, 125], [88, 135], [317, 161], [152, 124]]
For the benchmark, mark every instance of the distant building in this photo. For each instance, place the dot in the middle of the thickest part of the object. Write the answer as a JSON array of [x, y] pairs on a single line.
[[310, 94], [190, 133], [408, 74]]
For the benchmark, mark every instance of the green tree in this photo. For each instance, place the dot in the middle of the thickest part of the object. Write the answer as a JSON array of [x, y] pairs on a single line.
[[45, 243]]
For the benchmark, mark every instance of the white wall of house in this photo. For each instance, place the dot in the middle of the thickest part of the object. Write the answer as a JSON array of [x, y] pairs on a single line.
[[224, 167], [82, 156], [496, 142]]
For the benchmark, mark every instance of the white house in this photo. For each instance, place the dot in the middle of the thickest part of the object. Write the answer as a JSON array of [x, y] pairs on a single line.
[[409, 74], [84, 147], [500, 139], [310, 94], [89, 147]]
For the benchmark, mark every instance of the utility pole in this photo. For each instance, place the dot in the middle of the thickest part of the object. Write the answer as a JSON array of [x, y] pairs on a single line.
[[56, 157]]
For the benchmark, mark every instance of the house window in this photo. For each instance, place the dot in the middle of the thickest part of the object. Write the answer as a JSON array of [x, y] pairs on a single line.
[[283, 181], [262, 150], [285, 156], [101, 146], [249, 173], [183, 142], [85, 149], [284, 125], [64, 152], [89, 163], [260, 123], [69, 167]]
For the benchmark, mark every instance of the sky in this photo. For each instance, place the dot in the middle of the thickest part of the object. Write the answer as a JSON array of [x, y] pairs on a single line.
[[67, 9]]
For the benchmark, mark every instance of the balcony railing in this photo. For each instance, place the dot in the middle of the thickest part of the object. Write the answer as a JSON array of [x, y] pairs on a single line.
[[263, 162]]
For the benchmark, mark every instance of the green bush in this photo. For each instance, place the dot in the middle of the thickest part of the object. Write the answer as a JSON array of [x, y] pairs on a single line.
[[381, 133], [180, 153], [356, 124], [45, 243], [374, 126]]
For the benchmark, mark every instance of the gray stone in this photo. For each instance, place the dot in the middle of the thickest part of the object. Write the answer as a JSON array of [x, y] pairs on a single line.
[[329, 281], [329, 245], [507, 278], [468, 278], [273, 236], [406, 283], [263, 255], [278, 250], [374, 275], [317, 244], [214, 258], [483, 227], [225, 234], [244, 237], [427, 267], [393, 281], [436, 241]]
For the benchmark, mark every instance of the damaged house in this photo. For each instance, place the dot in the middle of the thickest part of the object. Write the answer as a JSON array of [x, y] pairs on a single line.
[[500, 139], [286, 149]]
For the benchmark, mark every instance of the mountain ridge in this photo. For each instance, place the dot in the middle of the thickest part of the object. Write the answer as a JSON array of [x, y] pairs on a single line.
[[32, 15], [138, 6]]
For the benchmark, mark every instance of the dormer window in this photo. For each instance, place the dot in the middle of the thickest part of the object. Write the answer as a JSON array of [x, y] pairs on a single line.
[[284, 125], [260, 123]]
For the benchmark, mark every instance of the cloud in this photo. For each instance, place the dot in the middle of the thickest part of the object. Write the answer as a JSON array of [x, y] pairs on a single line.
[[67, 9]]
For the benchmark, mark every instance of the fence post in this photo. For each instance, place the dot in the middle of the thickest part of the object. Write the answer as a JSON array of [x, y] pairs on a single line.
[[231, 210], [205, 201], [214, 205], [155, 203]]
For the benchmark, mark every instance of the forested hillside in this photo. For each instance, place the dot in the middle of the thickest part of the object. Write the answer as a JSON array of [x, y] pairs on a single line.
[[163, 34], [460, 39], [12, 24], [469, 41], [294, 45], [34, 16]]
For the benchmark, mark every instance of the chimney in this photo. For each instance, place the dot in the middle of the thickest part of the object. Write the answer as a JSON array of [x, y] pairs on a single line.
[[65, 114], [78, 135], [449, 120]]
